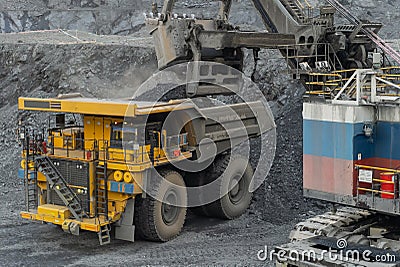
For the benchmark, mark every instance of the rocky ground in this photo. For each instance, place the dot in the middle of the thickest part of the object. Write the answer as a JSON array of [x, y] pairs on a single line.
[[48, 63]]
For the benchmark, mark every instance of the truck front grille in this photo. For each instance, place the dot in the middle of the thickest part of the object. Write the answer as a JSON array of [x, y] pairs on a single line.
[[75, 173]]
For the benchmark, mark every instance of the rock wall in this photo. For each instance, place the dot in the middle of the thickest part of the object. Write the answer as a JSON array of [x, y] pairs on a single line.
[[94, 69], [125, 16], [96, 16]]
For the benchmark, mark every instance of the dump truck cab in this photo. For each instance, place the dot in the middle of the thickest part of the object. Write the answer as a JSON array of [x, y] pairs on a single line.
[[89, 167]]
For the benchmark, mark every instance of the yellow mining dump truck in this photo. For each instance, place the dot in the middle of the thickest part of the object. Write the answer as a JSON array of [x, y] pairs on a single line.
[[97, 171]]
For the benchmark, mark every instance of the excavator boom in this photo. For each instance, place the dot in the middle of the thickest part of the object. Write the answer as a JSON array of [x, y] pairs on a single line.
[[309, 40]]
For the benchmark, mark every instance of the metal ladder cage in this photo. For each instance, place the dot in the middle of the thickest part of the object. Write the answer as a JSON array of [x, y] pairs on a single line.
[[30, 185], [101, 183], [32, 148], [101, 195]]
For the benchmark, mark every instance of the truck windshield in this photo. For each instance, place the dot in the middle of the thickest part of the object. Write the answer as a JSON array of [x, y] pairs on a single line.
[[126, 136]]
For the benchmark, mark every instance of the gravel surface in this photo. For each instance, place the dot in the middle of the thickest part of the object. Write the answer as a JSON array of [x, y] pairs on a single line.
[[49, 63]]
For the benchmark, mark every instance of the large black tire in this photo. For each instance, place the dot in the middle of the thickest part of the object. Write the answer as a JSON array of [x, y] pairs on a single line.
[[234, 203], [156, 220]]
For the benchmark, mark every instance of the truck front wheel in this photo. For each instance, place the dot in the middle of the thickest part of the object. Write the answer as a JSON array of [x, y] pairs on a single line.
[[157, 220]]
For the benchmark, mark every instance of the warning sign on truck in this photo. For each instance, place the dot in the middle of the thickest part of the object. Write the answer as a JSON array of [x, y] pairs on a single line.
[[365, 176]]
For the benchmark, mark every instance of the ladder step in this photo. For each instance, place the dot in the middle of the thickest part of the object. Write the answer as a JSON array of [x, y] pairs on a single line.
[[104, 234], [101, 205]]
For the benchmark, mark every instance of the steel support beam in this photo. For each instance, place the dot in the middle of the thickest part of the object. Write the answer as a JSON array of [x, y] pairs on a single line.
[[232, 39]]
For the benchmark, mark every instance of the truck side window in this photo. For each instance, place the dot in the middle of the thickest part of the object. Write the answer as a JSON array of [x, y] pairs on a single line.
[[116, 137]]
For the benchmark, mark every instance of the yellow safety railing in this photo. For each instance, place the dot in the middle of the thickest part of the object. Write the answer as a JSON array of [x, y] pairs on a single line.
[[367, 167], [335, 80], [308, 4], [299, 4], [306, 7], [391, 68], [90, 149], [376, 182], [317, 93], [375, 191], [130, 156]]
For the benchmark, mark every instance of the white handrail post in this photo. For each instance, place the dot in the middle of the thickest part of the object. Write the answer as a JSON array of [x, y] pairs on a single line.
[[358, 81], [373, 88]]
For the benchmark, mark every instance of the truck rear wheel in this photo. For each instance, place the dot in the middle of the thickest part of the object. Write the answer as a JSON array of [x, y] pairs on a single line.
[[236, 201], [162, 221]]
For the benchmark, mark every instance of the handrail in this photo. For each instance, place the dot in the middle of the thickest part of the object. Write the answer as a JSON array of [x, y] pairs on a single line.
[[374, 188], [99, 146], [308, 4], [375, 191], [382, 181], [376, 168], [299, 4]]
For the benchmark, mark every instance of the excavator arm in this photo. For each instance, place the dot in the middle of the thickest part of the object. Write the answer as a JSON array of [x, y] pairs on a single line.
[[309, 41]]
